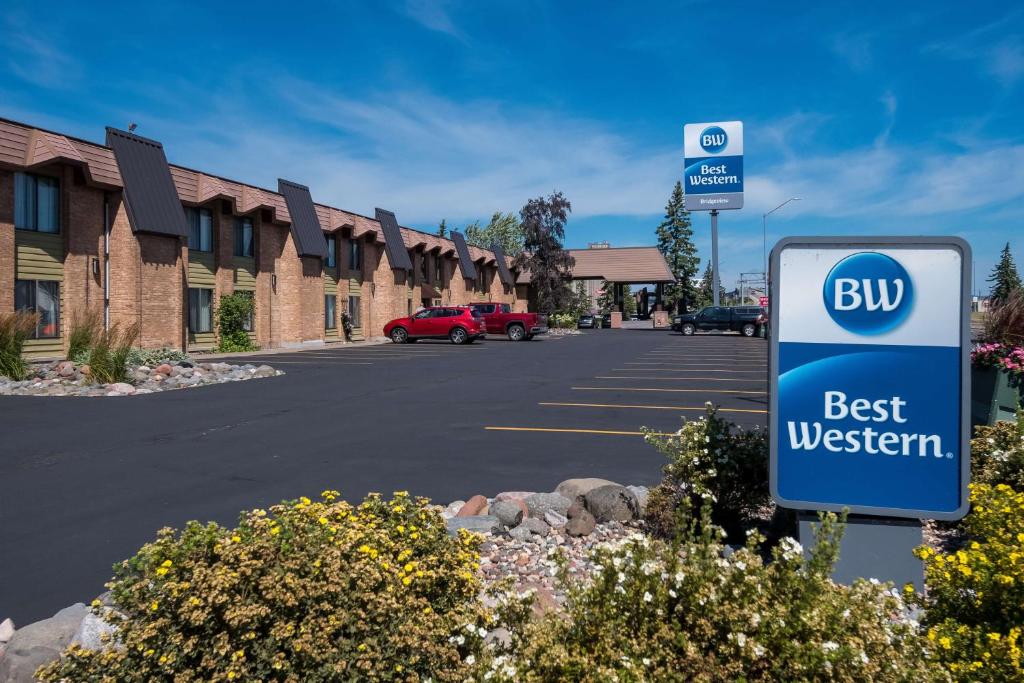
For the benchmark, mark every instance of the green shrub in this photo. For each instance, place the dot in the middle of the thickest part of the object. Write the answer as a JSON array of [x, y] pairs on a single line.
[[309, 591], [153, 357], [15, 328], [108, 358], [683, 612], [974, 602], [562, 320], [85, 328], [232, 313], [710, 460], [997, 454]]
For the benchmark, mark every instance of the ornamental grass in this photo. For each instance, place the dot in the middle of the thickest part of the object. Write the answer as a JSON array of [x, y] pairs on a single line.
[[15, 329]]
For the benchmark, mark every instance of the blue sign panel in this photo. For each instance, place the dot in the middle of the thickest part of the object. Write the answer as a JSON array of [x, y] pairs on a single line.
[[713, 165], [869, 376]]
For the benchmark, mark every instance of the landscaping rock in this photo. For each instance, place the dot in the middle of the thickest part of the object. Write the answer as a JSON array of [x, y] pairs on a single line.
[[90, 632], [6, 630], [121, 388], [36, 644], [556, 520], [540, 503], [265, 371], [163, 369], [514, 495], [520, 533], [453, 508], [572, 488], [66, 369], [642, 493], [477, 505], [536, 526], [581, 522], [484, 524], [508, 512], [612, 503]]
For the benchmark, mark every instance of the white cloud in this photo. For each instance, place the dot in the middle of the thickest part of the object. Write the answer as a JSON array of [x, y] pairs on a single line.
[[33, 58], [432, 14], [1001, 57]]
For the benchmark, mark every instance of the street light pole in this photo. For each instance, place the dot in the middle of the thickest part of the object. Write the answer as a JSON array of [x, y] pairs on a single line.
[[764, 232]]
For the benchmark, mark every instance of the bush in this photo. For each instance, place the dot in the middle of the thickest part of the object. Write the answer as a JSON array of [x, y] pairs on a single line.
[[684, 612], [108, 358], [15, 328], [974, 604], [154, 357], [562, 320], [997, 454], [85, 328], [710, 461], [311, 591], [1004, 322], [232, 313]]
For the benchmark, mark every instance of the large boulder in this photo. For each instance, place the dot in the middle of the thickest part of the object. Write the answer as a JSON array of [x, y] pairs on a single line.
[[513, 495], [612, 503], [540, 503], [483, 524], [36, 644], [509, 512], [90, 632], [573, 488], [477, 505], [642, 493], [581, 522]]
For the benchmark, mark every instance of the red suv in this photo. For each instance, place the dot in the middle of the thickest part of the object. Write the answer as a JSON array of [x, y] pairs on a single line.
[[458, 324]]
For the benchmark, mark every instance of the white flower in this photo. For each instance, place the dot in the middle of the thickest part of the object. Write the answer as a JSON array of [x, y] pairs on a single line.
[[648, 597], [758, 651], [671, 592], [741, 639], [679, 577], [470, 659], [829, 646], [846, 614], [741, 565], [461, 640], [646, 661], [620, 578], [863, 658], [481, 631]]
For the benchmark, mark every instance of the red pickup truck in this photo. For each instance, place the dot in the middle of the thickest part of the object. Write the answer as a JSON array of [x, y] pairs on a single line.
[[499, 319]]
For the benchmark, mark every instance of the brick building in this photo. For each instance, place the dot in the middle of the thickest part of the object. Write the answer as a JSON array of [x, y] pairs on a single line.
[[115, 229]]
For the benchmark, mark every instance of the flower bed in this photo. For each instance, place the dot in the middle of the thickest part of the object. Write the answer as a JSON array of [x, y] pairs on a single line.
[[1006, 357]]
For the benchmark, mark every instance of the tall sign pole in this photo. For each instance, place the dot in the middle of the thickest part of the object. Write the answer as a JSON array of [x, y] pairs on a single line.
[[713, 177]]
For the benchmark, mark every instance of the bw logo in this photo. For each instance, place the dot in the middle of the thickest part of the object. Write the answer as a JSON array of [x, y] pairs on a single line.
[[868, 293]]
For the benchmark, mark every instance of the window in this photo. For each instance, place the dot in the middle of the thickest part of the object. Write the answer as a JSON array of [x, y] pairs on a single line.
[[36, 203], [411, 273], [424, 268], [332, 256], [427, 314], [330, 318], [409, 307], [355, 255], [354, 314], [484, 308], [200, 315], [506, 308], [481, 278], [438, 269], [200, 229], [42, 297], [247, 324], [244, 245]]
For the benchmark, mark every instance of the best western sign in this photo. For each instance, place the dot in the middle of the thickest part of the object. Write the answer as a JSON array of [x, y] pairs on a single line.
[[869, 361], [713, 157]]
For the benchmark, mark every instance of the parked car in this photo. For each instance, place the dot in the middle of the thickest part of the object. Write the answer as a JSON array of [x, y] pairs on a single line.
[[499, 319], [588, 321], [747, 320], [606, 320], [458, 324]]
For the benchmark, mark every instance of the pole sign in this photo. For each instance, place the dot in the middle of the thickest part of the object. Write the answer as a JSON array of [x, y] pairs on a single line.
[[713, 157], [870, 375]]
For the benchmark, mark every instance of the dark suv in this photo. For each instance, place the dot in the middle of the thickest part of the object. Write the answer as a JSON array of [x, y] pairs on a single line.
[[747, 320]]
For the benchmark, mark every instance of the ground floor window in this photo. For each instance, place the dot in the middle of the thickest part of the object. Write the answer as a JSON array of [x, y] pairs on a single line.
[[330, 318], [354, 314], [409, 307], [247, 324], [200, 310], [42, 297]]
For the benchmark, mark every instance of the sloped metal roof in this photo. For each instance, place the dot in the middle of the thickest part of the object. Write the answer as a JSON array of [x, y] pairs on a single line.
[[309, 237], [398, 256], [465, 262], [503, 272], [151, 199]]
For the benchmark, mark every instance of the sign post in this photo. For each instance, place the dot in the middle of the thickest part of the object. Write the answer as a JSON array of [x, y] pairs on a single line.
[[713, 176], [870, 390]]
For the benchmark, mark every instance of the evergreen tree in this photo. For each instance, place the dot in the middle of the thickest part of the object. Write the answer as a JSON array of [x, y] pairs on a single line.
[[628, 302], [442, 230], [1004, 278], [580, 301], [706, 288], [606, 300], [675, 242], [543, 257]]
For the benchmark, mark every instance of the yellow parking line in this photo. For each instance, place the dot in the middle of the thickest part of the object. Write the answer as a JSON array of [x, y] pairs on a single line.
[[647, 407], [684, 379], [605, 432], [687, 391]]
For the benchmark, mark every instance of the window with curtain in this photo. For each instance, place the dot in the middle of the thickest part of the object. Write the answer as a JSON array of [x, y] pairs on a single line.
[[438, 270], [200, 313], [354, 314], [200, 229], [244, 245], [425, 267], [332, 248], [36, 203], [42, 297], [330, 318], [355, 254]]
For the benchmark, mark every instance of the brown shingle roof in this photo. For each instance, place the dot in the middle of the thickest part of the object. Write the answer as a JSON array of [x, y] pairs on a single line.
[[639, 265]]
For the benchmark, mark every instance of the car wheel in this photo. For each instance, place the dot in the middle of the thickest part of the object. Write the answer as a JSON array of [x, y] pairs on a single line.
[[748, 330], [458, 336], [399, 335], [516, 333], [688, 329]]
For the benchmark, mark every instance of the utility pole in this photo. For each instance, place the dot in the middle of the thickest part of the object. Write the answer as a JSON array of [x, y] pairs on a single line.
[[714, 258]]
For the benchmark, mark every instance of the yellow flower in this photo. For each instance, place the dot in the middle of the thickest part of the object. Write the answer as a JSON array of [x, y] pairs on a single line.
[[361, 647], [153, 607], [414, 535], [236, 538], [365, 549], [275, 530], [231, 675], [167, 563], [994, 637], [398, 668], [406, 580], [409, 566], [329, 495], [194, 601], [149, 653], [163, 659], [945, 642], [96, 603], [161, 571], [304, 501], [401, 529], [322, 520]]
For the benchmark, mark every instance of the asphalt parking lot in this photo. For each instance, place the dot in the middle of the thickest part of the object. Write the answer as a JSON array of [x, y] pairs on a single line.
[[85, 482]]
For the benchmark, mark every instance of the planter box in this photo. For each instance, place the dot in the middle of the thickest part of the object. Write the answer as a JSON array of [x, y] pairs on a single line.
[[993, 398]]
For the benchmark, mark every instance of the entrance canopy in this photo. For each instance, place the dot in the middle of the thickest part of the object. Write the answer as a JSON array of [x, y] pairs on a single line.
[[622, 265]]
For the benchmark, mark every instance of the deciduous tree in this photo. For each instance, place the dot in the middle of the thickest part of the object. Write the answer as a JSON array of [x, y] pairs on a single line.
[[543, 256], [503, 229]]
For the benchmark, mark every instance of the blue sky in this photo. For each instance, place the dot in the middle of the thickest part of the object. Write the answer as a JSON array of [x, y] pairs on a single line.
[[887, 118]]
